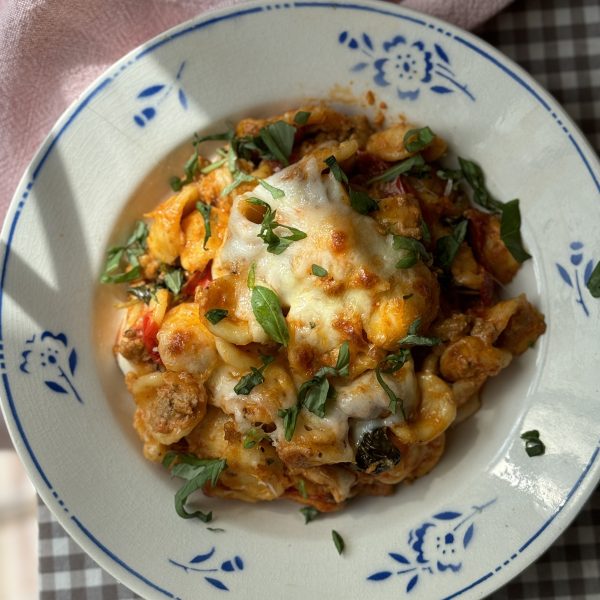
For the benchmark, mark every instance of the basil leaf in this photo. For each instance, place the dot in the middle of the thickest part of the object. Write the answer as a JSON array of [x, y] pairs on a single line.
[[204, 210], [301, 117], [215, 315], [227, 135], [533, 445], [446, 247], [338, 541], [128, 254], [145, 293], [342, 365], [275, 244], [510, 230], [361, 202], [275, 192], [213, 166], [474, 175], [238, 178], [313, 395], [197, 473], [216, 529], [335, 169], [248, 382], [318, 271], [394, 362], [394, 400], [267, 310], [174, 280], [301, 487], [376, 453], [593, 282], [253, 437], [310, 514], [414, 339], [413, 251], [416, 140], [175, 183], [414, 162], [290, 417], [251, 276], [279, 139]]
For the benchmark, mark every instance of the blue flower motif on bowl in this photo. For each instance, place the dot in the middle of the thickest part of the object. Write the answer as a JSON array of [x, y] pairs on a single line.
[[154, 95], [47, 355], [437, 545], [576, 274], [409, 65], [212, 574]]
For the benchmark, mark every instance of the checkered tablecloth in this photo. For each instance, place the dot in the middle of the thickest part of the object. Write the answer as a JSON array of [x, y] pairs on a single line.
[[558, 42]]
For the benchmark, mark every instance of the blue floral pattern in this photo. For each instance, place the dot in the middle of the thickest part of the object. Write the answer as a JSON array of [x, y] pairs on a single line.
[[578, 273], [153, 96], [409, 65], [211, 574], [48, 356], [437, 545]]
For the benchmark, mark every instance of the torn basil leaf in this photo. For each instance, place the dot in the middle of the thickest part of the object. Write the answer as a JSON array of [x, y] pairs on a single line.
[[510, 230], [361, 202], [301, 117], [310, 514], [395, 401], [338, 541], [174, 280], [474, 175], [533, 445], [204, 210], [416, 140], [318, 271], [216, 315], [593, 282], [446, 247], [336, 170], [197, 472], [279, 139], [276, 193], [415, 162], [290, 417], [122, 262], [414, 339], [413, 250], [256, 376], [267, 310]]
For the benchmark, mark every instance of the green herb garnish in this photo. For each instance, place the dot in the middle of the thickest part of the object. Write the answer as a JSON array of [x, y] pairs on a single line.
[[267, 310], [301, 117], [174, 280], [338, 541], [394, 400], [416, 140], [249, 381], [413, 250], [239, 177], [361, 202], [204, 210], [336, 170], [593, 282], [276, 193], [119, 258], [447, 246], [414, 339], [289, 416], [215, 315], [253, 437], [279, 139], [145, 292], [301, 487], [190, 169], [213, 166], [510, 231], [251, 276], [533, 445], [318, 271], [197, 472], [450, 174], [310, 514], [414, 162], [275, 244]]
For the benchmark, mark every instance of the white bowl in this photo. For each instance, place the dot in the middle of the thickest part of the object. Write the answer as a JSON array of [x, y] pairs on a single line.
[[487, 510]]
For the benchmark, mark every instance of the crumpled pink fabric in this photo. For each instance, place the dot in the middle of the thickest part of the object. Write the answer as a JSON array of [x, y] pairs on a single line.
[[51, 50]]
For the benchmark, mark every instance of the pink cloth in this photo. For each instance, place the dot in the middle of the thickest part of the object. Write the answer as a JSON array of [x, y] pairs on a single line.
[[50, 50]]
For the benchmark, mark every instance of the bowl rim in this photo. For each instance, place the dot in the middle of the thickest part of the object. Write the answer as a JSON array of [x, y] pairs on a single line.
[[584, 485]]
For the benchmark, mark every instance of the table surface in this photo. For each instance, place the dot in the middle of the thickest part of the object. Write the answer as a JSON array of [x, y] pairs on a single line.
[[558, 42]]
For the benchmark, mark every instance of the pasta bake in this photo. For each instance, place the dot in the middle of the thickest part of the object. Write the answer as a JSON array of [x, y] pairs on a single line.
[[314, 307]]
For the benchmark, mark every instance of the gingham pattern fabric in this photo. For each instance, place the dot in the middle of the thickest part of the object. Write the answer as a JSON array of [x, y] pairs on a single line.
[[558, 42]]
